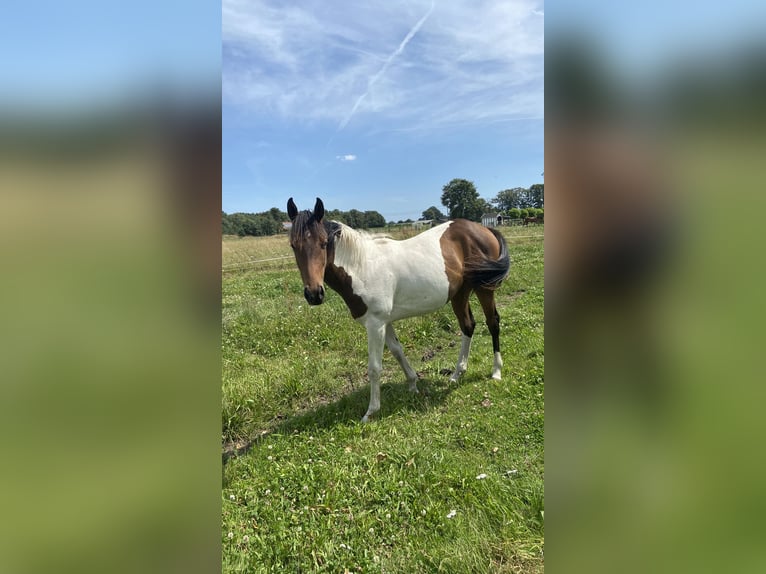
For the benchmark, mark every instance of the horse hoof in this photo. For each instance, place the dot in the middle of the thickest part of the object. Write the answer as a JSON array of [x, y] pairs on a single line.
[[497, 376]]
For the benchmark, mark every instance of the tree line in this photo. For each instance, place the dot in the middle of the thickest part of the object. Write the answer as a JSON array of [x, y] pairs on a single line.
[[270, 222], [462, 200], [459, 196]]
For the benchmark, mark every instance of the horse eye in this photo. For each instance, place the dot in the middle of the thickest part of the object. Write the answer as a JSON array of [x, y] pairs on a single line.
[[323, 245]]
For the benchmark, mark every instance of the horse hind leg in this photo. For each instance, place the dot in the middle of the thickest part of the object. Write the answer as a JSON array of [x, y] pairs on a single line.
[[467, 325], [487, 300], [393, 344]]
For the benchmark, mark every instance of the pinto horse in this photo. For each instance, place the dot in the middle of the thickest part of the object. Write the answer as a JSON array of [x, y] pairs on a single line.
[[382, 280]]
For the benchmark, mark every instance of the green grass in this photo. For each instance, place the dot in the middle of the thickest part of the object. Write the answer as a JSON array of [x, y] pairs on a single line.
[[314, 490]]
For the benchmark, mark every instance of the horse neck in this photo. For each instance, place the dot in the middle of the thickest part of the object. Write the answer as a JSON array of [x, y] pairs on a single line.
[[352, 250]]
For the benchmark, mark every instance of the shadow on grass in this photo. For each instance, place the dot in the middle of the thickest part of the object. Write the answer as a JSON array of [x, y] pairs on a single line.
[[395, 398]]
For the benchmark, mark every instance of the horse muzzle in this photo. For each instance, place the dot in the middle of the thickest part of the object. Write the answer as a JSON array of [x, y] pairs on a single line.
[[314, 296]]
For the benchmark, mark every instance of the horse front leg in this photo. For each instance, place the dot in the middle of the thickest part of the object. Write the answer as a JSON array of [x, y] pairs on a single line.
[[376, 334]]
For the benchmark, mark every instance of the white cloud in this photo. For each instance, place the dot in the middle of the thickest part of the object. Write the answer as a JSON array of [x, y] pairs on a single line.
[[386, 64], [347, 157], [394, 65]]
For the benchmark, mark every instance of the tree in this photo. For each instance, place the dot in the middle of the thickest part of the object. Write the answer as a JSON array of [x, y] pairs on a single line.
[[462, 200], [485, 206], [432, 213], [520, 198], [265, 225], [354, 218], [373, 219], [537, 196], [278, 215], [510, 199], [227, 225]]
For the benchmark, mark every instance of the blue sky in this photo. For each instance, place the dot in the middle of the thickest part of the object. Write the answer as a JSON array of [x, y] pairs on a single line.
[[76, 54], [377, 105]]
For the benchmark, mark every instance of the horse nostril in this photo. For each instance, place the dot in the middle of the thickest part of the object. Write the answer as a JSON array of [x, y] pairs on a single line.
[[314, 297]]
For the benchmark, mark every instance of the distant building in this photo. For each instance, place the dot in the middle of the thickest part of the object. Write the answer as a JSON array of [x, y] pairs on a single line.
[[498, 219]]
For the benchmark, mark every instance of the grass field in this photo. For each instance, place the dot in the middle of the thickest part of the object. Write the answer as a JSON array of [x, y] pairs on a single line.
[[450, 480]]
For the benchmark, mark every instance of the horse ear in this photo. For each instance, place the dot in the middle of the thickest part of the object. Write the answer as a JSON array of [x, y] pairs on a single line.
[[292, 210], [318, 210]]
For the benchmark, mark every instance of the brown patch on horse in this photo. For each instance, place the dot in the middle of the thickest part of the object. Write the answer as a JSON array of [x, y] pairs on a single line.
[[341, 282], [337, 278], [464, 242]]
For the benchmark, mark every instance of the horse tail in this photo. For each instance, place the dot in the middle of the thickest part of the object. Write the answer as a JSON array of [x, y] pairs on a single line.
[[486, 272]]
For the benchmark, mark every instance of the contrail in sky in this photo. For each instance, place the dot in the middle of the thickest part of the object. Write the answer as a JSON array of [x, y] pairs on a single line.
[[386, 64]]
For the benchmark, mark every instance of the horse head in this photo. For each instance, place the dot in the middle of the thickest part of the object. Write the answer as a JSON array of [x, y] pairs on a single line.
[[309, 240]]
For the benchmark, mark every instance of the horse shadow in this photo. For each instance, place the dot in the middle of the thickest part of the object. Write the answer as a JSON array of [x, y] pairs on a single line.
[[395, 398]]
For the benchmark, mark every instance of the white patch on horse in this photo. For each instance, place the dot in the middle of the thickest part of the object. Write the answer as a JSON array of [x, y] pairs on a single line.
[[497, 367], [462, 360]]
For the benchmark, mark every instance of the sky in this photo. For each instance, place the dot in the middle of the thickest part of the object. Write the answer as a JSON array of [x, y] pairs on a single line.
[[643, 37], [378, 105], [86, 53]]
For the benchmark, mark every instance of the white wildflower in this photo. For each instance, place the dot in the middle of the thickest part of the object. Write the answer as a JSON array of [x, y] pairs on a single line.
[[245, 538], [481, 476], [267, 492], [452, 514], [232, 497], [230, 535]]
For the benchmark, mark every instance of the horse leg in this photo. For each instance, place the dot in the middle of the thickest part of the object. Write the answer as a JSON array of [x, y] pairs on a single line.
[[393, 344], [376, 334], [467, 324], [487, 300]]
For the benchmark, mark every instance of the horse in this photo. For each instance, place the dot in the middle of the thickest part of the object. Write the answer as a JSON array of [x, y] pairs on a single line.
[[382, 280], [528, 220]]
